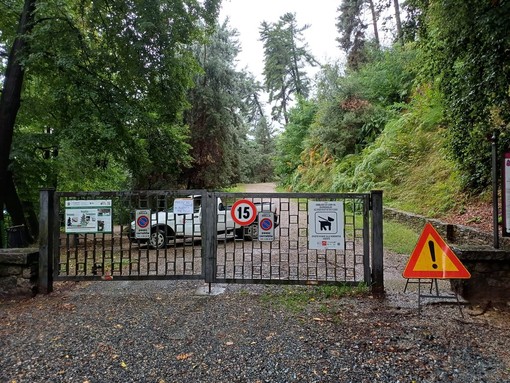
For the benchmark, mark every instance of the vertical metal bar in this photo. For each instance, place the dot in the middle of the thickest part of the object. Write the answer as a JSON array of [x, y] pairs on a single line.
[[68, 257], [377, 243], [307, 255], [354, 251], [366, 239], [495, 213], [94, 250], [209, 236], [419, 296], [85, 252], [129, 245], [165, 268], [112, 244], [55, 235], [46, 218], [192, 246], [246, 247]]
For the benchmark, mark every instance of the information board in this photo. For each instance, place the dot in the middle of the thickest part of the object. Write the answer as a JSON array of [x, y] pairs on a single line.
[[88, 216]]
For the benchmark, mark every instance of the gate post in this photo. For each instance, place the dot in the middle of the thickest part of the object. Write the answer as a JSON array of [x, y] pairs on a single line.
[[209, 235], [377, 243], [46, 240]]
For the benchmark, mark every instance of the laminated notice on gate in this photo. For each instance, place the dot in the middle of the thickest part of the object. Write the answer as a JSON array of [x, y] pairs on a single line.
[[183, 206], [326, 225], [88, 216]]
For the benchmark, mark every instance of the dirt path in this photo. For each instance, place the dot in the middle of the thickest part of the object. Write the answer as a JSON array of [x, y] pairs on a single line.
[[267, 187]]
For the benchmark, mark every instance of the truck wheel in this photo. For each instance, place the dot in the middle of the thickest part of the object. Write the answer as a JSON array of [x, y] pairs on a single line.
[[244, 233], [248, 237], [157, 239], [248, 233]]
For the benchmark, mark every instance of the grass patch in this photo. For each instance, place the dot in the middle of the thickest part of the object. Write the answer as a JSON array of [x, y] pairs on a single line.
[[234, 189], [296, 299], [399, 238]]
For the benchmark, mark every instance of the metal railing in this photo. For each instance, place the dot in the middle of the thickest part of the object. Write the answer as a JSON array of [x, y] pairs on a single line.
[[80, 242], [289, 258]]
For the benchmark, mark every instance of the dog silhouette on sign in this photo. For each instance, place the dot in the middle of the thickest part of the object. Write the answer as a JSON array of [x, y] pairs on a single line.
[[325, 223]]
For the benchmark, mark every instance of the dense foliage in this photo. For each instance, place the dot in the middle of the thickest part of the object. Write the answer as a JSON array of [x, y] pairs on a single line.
[[467, 46], [98, 77], [126, 94], [146, 94], [413, 119]]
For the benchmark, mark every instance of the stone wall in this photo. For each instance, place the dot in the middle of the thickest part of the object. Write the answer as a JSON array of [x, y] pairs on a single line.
[[490, 275], [489, 267], [453, 234], [18, 271]]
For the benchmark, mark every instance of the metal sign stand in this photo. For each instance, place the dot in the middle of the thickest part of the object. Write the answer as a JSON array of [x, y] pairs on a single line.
[[436, 296]]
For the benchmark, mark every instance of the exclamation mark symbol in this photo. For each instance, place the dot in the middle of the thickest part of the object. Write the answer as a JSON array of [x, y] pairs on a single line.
[[432, 254]]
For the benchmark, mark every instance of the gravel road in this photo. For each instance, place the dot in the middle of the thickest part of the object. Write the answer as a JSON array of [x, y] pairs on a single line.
[[167, 331], [170, 331]]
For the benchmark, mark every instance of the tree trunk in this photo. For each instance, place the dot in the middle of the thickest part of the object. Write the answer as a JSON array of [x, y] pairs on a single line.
[[9, 106], [284, 105], [374, 22], [398, 22]]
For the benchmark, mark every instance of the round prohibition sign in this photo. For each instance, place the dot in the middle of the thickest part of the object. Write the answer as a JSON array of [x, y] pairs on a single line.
[[143, 221], [243, 212], [266, 224]]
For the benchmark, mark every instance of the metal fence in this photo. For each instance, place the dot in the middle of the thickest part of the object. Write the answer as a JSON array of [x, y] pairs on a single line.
[[288, 258], [99, 235]]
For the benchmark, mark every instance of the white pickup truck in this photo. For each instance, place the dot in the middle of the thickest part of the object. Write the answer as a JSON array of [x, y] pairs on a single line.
[[167, 226]]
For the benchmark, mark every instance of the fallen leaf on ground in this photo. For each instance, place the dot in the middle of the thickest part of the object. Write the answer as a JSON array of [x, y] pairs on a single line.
[[184, 356]]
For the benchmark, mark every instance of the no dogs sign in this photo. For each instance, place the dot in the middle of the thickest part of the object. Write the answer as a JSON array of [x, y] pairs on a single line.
[[326, 225]]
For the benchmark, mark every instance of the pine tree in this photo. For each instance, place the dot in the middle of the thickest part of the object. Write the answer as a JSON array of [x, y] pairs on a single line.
[[285, 57]]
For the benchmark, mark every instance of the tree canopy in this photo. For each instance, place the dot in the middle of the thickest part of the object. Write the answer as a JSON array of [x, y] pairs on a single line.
[[466, 46], [105, 87], [147, 94], [285, 57]]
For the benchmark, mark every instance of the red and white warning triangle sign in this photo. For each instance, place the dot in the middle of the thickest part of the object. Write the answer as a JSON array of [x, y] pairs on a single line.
[[433, 258]]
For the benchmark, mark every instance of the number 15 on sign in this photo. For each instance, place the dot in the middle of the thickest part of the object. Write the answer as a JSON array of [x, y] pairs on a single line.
[[243, 212]]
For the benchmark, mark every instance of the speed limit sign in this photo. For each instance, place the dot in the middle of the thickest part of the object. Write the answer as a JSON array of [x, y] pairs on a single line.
[[243, 212]]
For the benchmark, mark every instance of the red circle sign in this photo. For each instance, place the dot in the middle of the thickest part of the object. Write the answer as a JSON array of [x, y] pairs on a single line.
[[266, 224], [143, 221], [243, 212]]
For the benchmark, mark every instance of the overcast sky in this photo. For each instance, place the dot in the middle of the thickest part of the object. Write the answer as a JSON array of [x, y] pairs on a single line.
[[246, 17]]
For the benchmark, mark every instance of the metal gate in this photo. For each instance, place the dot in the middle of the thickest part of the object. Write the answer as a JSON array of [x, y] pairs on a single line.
[[192, 234]]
